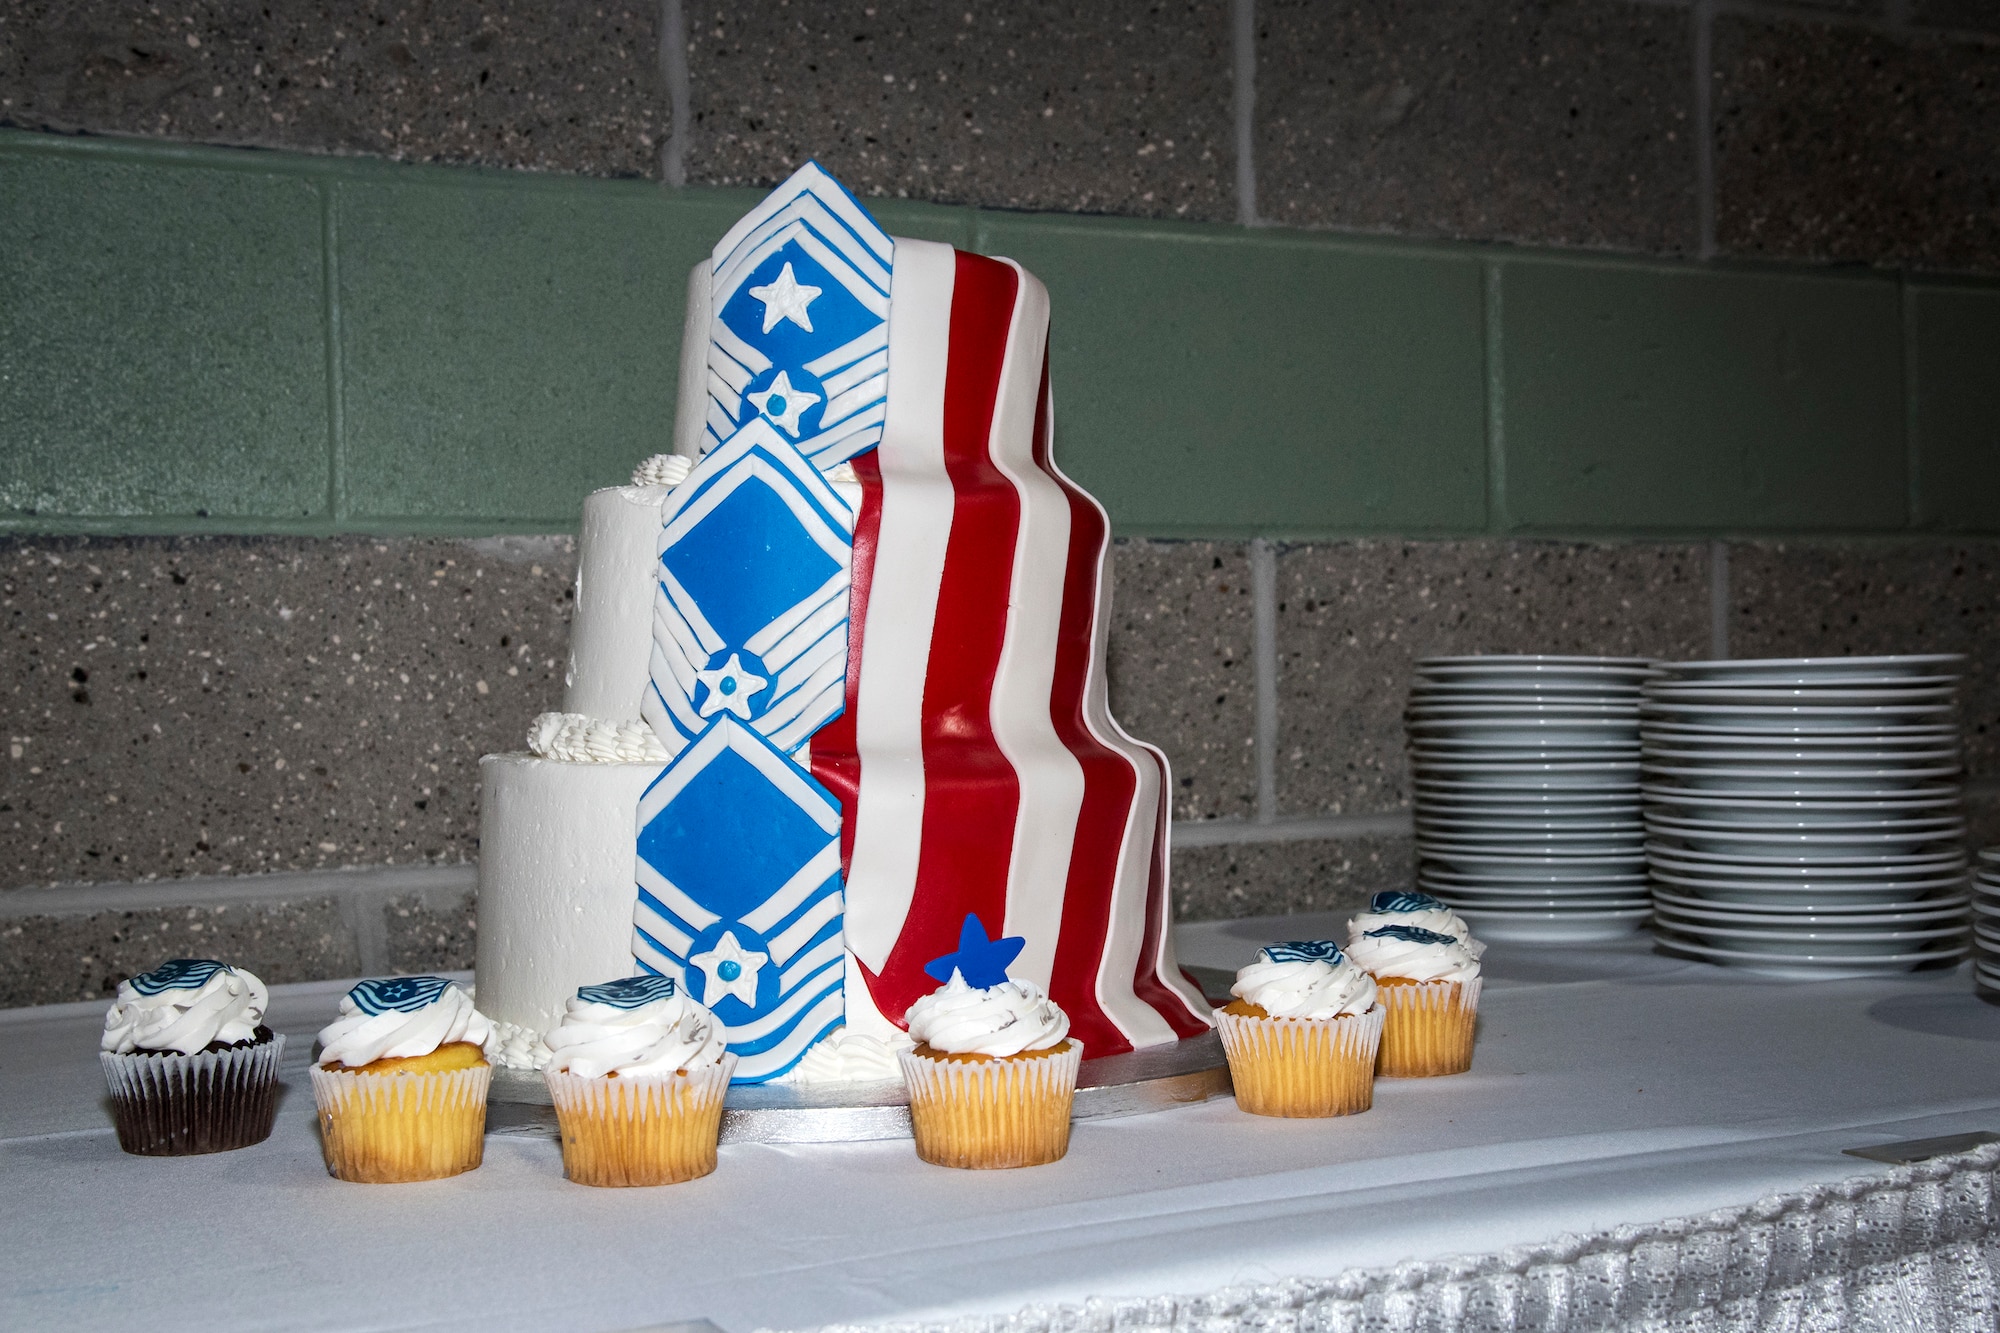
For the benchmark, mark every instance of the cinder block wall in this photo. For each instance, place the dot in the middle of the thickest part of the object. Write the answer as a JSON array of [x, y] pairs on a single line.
[[246, 720]]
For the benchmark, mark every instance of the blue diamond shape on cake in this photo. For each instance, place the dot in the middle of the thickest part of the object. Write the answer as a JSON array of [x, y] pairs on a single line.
[[749, 560], [730, 837], [837, 318]]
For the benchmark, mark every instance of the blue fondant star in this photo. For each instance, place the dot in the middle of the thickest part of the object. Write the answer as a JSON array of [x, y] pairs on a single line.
[[981, 961]]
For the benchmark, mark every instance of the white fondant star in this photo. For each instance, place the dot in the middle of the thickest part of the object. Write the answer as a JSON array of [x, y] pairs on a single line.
[[787, 298], [731, 970], [784, 404], [729, 687]]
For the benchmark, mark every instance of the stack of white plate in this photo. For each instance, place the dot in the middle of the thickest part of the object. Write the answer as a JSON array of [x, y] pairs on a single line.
[[1525, 773], [1803, 814], [1986, 924]]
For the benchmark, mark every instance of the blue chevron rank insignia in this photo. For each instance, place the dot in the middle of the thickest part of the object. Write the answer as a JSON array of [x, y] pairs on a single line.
[[739, 890]]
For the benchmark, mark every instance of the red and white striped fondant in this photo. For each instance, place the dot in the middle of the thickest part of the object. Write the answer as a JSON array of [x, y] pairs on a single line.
[[977, 764]]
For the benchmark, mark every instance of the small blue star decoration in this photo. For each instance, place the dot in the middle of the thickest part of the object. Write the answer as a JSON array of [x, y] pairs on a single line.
[[980, 960]]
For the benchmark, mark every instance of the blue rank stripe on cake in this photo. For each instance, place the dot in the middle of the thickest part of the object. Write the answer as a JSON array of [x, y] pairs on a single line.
[[178, 974], [800, 291], [1302, 951], [398, 995], [628, 992], [739, 891]]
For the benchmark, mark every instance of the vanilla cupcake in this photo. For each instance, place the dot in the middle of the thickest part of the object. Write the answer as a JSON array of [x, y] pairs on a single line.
[[401, 1082], [993, 1073], [1429, 984], [1407, 907], [637, 1071], [1302, 1032], [191, 1066]]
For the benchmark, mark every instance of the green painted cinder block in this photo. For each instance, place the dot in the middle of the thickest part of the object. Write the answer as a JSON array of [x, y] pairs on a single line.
[[1208, 381], [161, 346], [1643, 397], [504, 350], [1955, 418]]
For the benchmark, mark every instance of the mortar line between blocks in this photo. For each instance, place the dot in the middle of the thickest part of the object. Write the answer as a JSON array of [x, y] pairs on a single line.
[[1718, 599], [1264, 612], [1703, 18], [1243, 104], [336, 370], [674, 69]]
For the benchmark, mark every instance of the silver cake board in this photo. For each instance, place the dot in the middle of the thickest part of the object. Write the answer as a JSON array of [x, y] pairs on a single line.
[[1181, 1073]]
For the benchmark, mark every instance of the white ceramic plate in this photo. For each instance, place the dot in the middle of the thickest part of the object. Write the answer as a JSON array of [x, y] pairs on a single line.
[[1553, 927], [1461, 851], [1885, 892], [1696, 921], [1766, 696], [1726, 737], [1586, 899], [1806, 717], [1783, 757], [1820, 942], [1528, 754], [1829, 778], [1729, 805], [1617, 879], [1805, 908], [1780, 864], [1811, 669], [1524, 830], [1735, 846], [1805, 967], [1479, 794], [1921, 822]]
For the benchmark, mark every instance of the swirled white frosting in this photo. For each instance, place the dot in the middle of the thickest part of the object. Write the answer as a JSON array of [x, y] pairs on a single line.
[[356, 1038], [1006, 1019], [1442, 920], [667, 1035], [1305, 988], [849, 1057], [575, 739], [1438, 958], [662, 470], [227, 1007], [516, 1047]]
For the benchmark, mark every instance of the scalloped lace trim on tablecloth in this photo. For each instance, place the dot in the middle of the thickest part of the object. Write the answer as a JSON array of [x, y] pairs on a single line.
[[1914, 1252]]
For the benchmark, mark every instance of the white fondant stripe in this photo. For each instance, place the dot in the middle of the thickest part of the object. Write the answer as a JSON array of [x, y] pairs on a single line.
[[808, 877], [1051, 778], [902, 605]]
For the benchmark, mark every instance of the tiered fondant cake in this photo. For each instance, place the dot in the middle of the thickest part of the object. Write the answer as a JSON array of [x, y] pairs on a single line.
[[864, 624]]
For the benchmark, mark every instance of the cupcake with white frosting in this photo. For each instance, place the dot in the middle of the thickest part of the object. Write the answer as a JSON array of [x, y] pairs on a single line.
[[1302, 1032], [1429, 984], [401, 1082], [993, 1073], [637, 1071], [1408, 907], [191, 1066]]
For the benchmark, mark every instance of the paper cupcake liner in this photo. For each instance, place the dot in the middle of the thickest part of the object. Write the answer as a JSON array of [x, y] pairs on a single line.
[[173, 1105], [381, 1129], [1429, 1028], [640, 1131], [1302, 1067], [981, 1114]]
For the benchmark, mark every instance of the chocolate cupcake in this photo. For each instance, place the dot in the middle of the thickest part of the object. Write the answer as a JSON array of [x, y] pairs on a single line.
[[191, 1066]]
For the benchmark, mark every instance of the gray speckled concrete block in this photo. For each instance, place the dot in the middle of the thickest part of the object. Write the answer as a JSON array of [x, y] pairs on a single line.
[[431, 932], [1842, 143], [1113, 107], [1835, 600], [1274, 878], [502, 83], [219, 705], [1566, 122], [1182, 676], [53, 958], [1353, 618]]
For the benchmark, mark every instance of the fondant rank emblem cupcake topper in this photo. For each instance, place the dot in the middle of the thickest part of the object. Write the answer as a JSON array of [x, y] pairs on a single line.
[[1409, 935], [397, 995], [1302, 951], [628, 992], [178, 974]]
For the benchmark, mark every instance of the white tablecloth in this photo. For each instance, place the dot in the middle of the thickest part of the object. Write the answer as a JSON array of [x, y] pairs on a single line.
[[1612, 1087]]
